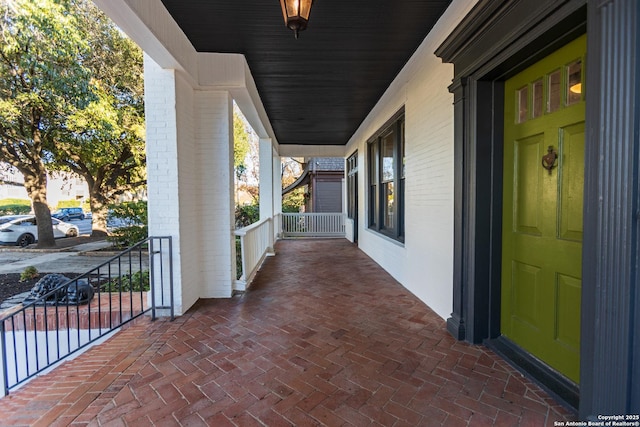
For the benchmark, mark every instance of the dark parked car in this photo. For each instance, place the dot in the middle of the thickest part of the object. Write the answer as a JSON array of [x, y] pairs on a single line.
[[66, 214]]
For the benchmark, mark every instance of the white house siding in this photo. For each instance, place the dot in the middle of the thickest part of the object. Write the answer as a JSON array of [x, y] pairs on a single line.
[[424, 264]]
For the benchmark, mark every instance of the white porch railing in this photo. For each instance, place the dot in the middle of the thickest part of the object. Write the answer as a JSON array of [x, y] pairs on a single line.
[[256, 242], [313, 224]]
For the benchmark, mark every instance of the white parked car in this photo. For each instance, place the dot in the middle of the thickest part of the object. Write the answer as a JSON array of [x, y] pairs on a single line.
[[7, 218], [23, 230]]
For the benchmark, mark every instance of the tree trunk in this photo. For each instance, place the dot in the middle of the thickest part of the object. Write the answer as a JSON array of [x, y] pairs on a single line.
[[99, 212], [36, 186]]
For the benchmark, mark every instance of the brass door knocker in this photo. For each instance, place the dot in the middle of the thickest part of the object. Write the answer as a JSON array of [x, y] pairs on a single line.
[[549, 160]]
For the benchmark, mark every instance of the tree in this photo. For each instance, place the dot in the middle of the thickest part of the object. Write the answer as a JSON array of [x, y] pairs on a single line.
[[240, 140], [245, 157], [105, 142], [42, 82]]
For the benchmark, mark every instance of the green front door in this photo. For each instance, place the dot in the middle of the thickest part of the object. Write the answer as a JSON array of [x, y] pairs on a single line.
[[543, 200]]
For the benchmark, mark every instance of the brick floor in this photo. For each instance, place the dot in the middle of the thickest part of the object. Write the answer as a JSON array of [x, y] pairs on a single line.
[[323, 337]]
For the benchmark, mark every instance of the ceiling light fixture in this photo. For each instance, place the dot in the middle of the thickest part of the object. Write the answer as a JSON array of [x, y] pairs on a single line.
[[296, 14], [576, 88]]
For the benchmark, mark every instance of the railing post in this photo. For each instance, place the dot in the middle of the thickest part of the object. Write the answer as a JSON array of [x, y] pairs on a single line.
[[152, 278], [244, 258], [171, 302], [4, 368]]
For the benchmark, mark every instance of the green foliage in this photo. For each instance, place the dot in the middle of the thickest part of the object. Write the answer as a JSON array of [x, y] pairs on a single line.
[[136, 282], [240, 141], [133, 212], [14, 207], [29, 273], [42, 78], [68, 204], [133, 218], [71, 96], [247, 215], [293, 201], [125, 237], [238, 258]]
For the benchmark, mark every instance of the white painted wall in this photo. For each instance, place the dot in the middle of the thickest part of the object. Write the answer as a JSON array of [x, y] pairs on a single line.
[[424, 264]]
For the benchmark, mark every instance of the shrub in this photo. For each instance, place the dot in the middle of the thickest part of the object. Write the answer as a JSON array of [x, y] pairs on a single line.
[[247, 215], [68, 204], [29, 273], [136, 282], [292, 202], [238, 258], [133, 218], [125, 237], [14, 207]]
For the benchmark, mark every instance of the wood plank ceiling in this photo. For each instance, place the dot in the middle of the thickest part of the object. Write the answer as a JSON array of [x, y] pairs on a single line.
[[319, 88]]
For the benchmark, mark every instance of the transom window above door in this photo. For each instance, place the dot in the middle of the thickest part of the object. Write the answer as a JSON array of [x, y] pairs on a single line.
[[559, 88]]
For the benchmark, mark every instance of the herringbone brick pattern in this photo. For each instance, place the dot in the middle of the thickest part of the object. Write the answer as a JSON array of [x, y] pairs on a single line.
[[323, 338]]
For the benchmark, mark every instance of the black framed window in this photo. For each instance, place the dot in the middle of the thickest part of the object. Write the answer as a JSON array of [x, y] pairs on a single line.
[[385, 158]]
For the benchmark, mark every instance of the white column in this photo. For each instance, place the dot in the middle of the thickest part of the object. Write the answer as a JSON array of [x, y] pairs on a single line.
[[266, 178], [277, 193], [214, 112], [162, 162], [190, 182]]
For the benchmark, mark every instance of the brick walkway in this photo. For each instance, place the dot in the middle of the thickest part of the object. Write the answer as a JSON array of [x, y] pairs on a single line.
[[324, 337]]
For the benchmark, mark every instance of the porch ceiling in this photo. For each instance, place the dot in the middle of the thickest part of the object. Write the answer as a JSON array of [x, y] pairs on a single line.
[[319, 88]]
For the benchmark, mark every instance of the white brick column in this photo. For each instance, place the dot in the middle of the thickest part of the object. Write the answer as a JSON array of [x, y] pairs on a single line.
[[162, 161], [270, 187], [277, 191], [266, 178], [190, 182], [214, 110]]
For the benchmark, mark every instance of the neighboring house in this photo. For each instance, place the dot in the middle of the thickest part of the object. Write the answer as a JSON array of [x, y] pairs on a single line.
[[322, 178], [495, 177], [61, 186]]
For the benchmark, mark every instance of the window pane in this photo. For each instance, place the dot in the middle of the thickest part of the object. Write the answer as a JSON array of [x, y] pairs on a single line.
[[574, 82], [553, 96], [522, 97], [387, 157], [373, 163], [389, 205], [537, 99]]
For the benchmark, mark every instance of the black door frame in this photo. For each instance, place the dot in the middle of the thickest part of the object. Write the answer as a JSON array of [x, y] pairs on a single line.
[[494, 41]]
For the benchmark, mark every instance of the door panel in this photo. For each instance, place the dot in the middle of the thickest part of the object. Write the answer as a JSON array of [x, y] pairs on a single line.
[[567, 326], [542, 215], [527, 185], [527, 309], [572, 182]]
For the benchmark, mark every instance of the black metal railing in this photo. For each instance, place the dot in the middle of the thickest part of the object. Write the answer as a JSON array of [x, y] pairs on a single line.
[[53, 326]]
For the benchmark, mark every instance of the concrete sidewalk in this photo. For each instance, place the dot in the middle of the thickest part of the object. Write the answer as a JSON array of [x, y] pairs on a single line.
[[77, 259]]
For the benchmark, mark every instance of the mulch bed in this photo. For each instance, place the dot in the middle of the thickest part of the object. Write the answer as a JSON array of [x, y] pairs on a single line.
[[11, 285]]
